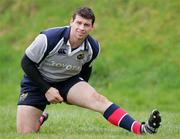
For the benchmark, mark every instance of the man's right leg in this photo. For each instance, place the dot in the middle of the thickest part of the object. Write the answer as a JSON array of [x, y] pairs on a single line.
[[27, 119]]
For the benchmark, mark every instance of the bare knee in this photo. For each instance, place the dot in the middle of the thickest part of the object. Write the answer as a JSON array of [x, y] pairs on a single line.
[[27, 118], [99, 98], [100, 102]]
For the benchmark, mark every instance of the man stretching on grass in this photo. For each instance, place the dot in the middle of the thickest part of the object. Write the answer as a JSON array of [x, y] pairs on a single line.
[[57, 68]]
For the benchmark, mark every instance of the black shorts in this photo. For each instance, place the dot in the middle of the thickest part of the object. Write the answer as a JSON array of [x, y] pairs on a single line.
[[32, 95]]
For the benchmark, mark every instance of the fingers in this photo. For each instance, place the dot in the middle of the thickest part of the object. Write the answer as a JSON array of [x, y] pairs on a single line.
[[57, 99], [53, 96]]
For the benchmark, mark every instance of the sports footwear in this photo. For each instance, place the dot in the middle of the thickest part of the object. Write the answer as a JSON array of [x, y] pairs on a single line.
[[41, 120], [153, 123]]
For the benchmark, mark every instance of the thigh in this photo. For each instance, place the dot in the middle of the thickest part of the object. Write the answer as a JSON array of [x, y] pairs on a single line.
[[66, 85], [27, 118], [84, 95]]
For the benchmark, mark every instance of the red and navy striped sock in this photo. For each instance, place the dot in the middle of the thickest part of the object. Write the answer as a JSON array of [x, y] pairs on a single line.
[[119, 117]]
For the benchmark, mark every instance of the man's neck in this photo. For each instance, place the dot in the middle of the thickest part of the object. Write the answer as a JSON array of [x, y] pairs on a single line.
[[75, 42]]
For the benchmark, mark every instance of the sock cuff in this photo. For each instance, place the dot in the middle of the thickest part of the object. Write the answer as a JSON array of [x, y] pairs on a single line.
[[110, 110], [136, 128]]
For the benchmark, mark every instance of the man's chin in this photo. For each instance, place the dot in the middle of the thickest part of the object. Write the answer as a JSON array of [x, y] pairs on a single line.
[[81, 37]]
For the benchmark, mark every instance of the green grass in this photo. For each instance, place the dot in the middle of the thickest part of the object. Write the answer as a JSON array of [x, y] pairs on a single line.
[[72, 122], [138, 67]]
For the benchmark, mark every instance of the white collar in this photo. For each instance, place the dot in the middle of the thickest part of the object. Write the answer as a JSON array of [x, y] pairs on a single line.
[[81, 47]]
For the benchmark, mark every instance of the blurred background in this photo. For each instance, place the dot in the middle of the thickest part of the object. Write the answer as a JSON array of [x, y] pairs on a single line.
[[139, 64]]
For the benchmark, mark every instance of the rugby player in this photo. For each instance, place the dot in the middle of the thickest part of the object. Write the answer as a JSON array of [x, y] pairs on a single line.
[[57, 67]]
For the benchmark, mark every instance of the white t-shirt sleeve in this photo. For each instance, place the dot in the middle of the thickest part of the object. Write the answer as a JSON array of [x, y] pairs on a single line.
[[38, 47]]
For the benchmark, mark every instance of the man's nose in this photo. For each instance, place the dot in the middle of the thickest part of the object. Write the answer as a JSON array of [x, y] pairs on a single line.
[[81, 27]]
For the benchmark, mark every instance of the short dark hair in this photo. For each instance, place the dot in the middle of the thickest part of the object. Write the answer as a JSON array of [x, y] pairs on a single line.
[[84, 12]]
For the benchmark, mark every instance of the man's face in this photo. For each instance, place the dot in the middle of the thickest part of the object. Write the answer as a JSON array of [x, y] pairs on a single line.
[[80, 27]]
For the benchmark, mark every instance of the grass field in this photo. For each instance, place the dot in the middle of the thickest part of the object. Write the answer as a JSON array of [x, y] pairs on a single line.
[[138, 68], [73, 122]]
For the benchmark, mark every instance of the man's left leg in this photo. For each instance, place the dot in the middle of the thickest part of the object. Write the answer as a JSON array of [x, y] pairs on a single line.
[[82, 94]]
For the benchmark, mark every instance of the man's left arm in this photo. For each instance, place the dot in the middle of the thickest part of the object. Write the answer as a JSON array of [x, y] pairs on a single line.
[[87, 67], [86, 71]]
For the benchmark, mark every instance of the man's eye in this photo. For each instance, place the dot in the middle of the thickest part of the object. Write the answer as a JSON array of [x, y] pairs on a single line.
[[87, 25], [79, 23]]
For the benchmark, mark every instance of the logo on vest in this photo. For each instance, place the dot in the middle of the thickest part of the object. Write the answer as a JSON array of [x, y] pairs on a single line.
[[80, 56], [62, 51]]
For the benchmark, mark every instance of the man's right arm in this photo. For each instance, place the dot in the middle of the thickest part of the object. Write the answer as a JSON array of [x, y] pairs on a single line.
[[51, 93], [30, 68]]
